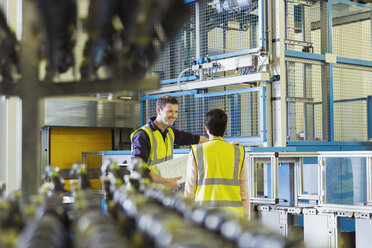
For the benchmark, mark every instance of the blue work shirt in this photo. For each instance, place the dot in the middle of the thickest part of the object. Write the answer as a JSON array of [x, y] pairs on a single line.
[[141, 142]]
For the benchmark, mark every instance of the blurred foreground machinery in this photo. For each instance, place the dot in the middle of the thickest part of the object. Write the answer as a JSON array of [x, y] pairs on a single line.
[[163, 218], [9, 52], [129, 35], [91, 228], [48, 223], [11, 221], [59, 19], [135, 213], [122, 36]]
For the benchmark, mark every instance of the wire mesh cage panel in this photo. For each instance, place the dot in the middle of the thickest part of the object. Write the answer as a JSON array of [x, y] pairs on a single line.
[[179, 53], [351, 31], [351, 86], [326, 105], [306, 26], [228, 26], [305, 113], [223, 28], [242, 109], [308, 116]]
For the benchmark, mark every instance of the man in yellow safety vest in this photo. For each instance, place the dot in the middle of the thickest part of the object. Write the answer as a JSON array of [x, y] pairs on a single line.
[[154, 142], [217, 170]]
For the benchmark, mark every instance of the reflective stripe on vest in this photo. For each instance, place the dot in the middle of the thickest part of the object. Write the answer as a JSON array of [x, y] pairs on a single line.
[[202, 180], [161, 150], [224, 189]]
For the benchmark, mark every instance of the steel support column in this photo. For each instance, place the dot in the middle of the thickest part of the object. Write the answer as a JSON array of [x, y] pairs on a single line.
[[308, 85], [30, 105], [326, 124]]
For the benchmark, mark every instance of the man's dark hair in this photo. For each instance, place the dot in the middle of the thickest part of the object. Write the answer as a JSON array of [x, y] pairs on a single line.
[[216, 120], [160, 103]]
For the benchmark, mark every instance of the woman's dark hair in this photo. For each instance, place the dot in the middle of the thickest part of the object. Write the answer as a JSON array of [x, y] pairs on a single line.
[[216, 120]]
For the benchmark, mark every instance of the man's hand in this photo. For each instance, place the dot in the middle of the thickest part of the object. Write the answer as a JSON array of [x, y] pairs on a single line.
[[235, 143], [169, 182], [172, 182]]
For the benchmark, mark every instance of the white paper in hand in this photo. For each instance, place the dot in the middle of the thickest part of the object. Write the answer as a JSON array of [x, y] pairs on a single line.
[[174, 168]]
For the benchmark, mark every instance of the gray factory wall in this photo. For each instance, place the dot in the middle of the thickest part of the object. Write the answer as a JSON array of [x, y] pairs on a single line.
[[91, 112]]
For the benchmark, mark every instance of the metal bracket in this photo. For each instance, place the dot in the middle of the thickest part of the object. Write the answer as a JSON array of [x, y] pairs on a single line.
[[332, 222], [263, 200], [300, 99], [303, 2], [309, 211], [358, 215], [298, 42], [346, 214], [263, 208], [294, 210], [333, 230], [283, 222]]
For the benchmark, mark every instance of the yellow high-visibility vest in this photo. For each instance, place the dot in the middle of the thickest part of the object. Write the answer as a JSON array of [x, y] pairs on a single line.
[[219, 164], [161, 149]]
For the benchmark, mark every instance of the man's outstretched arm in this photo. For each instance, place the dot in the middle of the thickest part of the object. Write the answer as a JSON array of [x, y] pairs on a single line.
[[169, 182]]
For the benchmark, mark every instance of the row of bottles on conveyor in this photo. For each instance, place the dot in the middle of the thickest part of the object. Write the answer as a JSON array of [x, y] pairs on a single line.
[[138, 214]]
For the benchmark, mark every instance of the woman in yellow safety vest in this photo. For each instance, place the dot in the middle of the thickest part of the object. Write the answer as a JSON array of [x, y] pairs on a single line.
[[217, 170]]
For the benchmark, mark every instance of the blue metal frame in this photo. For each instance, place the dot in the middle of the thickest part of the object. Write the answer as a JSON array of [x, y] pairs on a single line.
[[123, 152], [263, 117], [313, 119], [269, 149], [236, 111], [175, 80], [263, 23], [353, 3], [181, 151], [227, 92], [325, 143], [354, 61], [234, 54], [142, 113], [351, 100], [303, 55], [330, 50], [369, 117], [345, 100], [331, 104], [336, 146], [321, 57], [129, 152], [181, 93], [315, 147], [245, 139]]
